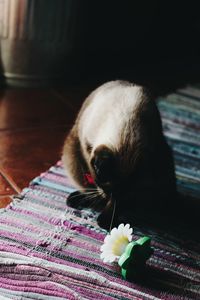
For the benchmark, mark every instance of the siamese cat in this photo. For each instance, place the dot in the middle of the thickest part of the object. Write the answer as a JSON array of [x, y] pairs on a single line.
[[117, 156]]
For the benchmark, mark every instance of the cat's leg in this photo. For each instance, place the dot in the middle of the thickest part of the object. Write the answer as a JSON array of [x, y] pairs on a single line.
[[75, 167], [73, 159], [108, 218], [80, 200]]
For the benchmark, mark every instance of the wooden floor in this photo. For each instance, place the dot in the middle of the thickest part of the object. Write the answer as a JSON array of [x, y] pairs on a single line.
[[33, 126]]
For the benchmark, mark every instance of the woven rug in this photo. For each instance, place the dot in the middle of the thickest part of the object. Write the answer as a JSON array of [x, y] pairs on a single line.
[[50, 251]]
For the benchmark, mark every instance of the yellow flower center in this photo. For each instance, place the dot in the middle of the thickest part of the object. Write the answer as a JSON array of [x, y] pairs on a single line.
[[119, 245]]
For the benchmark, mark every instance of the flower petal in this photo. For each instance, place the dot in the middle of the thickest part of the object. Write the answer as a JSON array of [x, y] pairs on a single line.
[[115, 242]]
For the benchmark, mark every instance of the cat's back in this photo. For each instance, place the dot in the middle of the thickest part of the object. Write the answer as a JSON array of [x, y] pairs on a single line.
[[107, 110], [112, 96]]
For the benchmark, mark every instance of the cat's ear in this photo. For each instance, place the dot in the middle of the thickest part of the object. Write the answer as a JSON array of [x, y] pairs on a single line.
[[103, 164]]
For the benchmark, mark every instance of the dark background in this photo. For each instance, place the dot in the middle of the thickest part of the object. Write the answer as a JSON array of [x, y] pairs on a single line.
[[153, 42]]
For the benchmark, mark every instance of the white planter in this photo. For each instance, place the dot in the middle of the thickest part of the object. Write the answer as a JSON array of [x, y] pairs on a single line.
[[36, 40]]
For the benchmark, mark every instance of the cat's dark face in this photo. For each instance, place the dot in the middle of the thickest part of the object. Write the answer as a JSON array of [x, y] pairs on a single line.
[[109, 175], [122, 184], [104, 166]]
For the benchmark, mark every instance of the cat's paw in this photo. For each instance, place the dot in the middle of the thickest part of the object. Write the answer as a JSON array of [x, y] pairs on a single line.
[[76, 200], [104, 221]]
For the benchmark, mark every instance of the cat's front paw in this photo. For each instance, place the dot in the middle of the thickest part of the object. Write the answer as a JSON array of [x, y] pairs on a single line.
[[104, 221], [76, 200]]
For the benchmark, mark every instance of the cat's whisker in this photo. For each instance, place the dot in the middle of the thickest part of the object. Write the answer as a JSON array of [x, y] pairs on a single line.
[[93, 196], [80, 195], [89, 192], [90, 188], [85, 190], [113, 212], [89, 196], [94, 201]]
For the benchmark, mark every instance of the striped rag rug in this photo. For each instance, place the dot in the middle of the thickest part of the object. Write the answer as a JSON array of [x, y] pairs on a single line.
[[50, 251]]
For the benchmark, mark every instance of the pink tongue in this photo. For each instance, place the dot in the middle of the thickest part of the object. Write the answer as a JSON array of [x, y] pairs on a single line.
[[88, 179]]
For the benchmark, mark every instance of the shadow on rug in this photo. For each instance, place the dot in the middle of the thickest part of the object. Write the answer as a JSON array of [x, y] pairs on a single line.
[[50, 251]]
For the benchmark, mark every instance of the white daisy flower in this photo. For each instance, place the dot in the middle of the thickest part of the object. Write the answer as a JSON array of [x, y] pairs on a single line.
[[116, 242]]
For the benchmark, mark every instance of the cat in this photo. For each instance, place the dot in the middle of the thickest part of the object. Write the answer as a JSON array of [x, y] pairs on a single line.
[[117, 156]]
